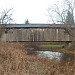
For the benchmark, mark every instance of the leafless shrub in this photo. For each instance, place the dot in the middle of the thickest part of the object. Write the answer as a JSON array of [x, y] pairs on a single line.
[[5, 18]]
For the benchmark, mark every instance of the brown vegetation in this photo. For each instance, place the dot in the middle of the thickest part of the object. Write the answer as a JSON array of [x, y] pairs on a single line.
[[1, 30], [15, 61]]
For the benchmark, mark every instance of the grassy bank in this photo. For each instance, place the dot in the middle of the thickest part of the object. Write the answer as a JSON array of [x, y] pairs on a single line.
[[15, 61], [51, 46], [57, 48]]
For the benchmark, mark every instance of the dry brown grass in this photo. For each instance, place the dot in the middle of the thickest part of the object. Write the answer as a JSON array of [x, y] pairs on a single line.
[[15, 61], [71, 47]]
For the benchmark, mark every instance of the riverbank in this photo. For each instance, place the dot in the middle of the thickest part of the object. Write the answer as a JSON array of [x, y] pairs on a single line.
[[57, 48], [14, 60]]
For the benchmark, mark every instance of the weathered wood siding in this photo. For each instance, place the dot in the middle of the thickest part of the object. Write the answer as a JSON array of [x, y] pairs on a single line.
[[36, 34]]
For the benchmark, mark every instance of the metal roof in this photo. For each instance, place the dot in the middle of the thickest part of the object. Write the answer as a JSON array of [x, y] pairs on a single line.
[[34, 25]]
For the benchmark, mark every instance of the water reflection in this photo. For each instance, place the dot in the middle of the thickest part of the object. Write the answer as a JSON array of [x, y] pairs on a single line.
[[54, 55], [49, 54]]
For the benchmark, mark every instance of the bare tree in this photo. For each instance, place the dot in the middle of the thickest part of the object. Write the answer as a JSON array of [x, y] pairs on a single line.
[[57, 13], [5, 18], [64, 14]]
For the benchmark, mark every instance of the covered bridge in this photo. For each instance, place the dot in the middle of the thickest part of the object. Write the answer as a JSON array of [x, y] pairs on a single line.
[[36, 32]]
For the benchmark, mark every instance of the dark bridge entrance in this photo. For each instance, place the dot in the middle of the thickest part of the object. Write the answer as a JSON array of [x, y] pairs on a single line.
[[44, 45]]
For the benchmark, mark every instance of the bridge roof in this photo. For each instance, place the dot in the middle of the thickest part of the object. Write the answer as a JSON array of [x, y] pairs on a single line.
[[34, 25]]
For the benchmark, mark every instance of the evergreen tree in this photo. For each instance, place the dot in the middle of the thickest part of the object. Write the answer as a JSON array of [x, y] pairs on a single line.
[[69, 18], [27, 21]]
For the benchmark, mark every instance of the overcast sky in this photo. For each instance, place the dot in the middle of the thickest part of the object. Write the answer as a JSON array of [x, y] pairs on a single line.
[[33, 10]]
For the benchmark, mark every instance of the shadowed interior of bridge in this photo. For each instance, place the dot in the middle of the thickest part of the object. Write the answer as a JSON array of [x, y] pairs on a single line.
[[35, 45]]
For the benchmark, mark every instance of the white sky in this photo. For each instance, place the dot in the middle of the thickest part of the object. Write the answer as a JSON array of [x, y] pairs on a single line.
[[33, 10]]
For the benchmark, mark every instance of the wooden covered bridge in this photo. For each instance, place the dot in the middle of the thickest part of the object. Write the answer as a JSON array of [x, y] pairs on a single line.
[[37, 33]]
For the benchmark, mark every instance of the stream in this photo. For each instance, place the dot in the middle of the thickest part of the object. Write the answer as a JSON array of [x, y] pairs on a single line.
[[49, 54], [53, 55]]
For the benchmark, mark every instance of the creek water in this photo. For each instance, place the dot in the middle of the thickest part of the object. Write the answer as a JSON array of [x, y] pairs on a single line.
[[54, 55], [49, 54]]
